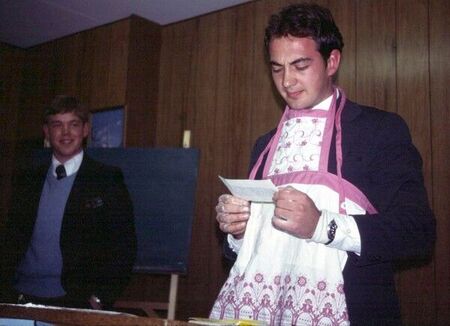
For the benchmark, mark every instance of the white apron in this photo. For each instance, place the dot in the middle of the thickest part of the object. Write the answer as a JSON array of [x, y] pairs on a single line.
[[279, 278]]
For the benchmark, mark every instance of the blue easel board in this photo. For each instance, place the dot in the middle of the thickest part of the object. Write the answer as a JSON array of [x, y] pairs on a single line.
[[161, 183]]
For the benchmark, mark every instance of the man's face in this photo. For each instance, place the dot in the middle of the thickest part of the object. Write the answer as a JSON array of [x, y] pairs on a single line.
[[65, 132], [299, 71]]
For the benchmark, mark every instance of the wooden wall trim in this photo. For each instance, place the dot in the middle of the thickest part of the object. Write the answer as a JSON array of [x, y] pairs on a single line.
[[439, 74], [142, 82]]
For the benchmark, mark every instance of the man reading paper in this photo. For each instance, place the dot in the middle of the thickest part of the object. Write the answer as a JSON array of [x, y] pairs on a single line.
[[350, 202]]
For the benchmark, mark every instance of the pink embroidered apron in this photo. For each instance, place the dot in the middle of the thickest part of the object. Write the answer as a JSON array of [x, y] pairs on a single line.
[[279, 278]]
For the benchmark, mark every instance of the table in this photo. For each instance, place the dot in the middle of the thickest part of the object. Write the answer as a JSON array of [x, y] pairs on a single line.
[[80, 317]]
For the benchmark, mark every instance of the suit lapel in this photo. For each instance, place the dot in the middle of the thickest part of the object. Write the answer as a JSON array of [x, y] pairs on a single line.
[[79, 187]]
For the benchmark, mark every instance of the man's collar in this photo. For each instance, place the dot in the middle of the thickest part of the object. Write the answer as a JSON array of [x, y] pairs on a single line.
[[71, 165]]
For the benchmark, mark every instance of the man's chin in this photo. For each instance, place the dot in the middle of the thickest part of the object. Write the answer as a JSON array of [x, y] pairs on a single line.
[[296, 106], [66, 155]]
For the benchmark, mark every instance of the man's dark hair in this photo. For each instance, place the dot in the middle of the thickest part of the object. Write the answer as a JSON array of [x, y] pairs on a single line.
[[306, 20], [67, 104]]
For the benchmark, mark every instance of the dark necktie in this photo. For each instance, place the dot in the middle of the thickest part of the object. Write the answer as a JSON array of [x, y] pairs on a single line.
[[60, 172]]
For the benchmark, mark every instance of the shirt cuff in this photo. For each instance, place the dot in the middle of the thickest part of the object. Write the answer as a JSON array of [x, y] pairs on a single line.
[[234, 244], [347, 235]]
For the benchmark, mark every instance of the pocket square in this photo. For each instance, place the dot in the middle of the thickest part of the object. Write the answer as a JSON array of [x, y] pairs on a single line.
[[94, 202]]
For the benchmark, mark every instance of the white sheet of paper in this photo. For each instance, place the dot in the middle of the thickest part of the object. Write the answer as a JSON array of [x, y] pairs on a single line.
[[251, 190]]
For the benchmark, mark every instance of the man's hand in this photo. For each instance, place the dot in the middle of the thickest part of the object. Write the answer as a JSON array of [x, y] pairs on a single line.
[[232, 215], [95, 303], [295, 213]]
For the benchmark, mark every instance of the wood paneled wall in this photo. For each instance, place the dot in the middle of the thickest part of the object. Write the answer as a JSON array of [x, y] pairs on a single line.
[[215, 82], [11, 62], [115, 64]]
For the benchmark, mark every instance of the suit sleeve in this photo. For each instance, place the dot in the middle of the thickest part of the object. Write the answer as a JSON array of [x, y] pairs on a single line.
[[404, 227]]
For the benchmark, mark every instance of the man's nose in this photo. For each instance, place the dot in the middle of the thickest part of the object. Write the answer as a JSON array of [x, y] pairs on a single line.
[[288, 79], [65, 129]]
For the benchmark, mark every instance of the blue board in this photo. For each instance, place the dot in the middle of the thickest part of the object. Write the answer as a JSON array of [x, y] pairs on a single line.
[[162, 183]]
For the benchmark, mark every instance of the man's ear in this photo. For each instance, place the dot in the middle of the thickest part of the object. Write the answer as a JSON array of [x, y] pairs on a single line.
[[86, 129], [333, 62], [46, 132]]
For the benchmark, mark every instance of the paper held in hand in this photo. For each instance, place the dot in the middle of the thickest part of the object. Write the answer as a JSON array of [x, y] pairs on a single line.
[[251, 190]]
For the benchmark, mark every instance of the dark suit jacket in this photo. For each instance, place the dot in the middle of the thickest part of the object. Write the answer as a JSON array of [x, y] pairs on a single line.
[[380, 159], [98, 241]]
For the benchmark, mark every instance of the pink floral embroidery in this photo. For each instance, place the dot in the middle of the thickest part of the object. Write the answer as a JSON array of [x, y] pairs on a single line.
[[299, 144], [277, 280], [321, 285], [282, 303], [259, 278], [301, 281]]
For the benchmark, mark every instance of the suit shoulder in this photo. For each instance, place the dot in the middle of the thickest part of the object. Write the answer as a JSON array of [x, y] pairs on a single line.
[[102, 169], [365, 111], [374, 116], [380, 124]]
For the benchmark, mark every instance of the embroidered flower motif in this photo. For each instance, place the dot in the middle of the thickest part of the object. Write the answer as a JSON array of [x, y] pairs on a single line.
[[303, 143], [327, 311], [306, 167], [277, 280], [290, 168], [265, 301], [247, 299], [315, 120], [259, 278], [301, 281], [230, 296], [307, 306], [280, 302], [288, 303], [282, 294], [277, 170], [298, 120], [288, 144], [321, 285]]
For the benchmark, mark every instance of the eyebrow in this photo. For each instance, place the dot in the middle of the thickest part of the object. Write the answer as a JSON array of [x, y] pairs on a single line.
[[70, 121], [299, 60]]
